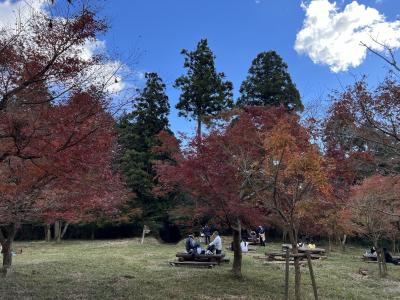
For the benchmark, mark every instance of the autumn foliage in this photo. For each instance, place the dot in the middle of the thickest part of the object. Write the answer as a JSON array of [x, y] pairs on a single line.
[[57, 139], [257, 165]]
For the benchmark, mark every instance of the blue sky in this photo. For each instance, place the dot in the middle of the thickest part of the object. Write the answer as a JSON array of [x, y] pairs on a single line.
[[237, 30]]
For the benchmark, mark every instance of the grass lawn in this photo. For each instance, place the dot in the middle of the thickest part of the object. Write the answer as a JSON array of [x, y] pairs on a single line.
[[124, 269]]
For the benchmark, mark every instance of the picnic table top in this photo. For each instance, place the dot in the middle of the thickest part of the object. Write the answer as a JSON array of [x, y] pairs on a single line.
[[369, 255], [305, 249]]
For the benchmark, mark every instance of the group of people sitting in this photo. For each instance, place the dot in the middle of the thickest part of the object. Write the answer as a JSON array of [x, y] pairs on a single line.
[[306, 243], [388, 257], [214, 243], [193, 245]]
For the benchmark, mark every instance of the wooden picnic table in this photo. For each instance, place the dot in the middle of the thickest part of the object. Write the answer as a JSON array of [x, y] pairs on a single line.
[[280, 256], [370, 257], [305, 249], [183, 256]]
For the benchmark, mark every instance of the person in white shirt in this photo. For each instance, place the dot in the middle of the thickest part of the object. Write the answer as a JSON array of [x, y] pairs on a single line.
[[244, 246], [216, 244]]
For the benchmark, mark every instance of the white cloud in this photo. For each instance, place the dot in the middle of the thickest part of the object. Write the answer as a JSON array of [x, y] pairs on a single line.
[[13, 14], [332, 37]]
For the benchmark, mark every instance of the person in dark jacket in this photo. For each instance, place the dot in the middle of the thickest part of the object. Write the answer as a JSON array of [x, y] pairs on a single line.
[[389, 258], [207, 234], [190, 244], [261, 234]]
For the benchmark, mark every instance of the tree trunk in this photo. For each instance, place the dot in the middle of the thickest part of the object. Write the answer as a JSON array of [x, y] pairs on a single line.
[[6, 241], [344, 242], [297, 272], [384, 265], [394, 244], [57, 231], [284, 235], [199, 127], [64, 230], [338, 240], [92, 228], [287, 257], [237, 252], [314, 284], [329, 244], [47, 233]]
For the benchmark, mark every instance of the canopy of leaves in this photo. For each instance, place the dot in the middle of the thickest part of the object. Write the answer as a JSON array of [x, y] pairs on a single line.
[[269, 84], [57, 139]]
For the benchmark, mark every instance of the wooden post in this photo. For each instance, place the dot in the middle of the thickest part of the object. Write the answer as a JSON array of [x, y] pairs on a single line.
[[145, 230], [287, 275], [314, 285], [384, 266], [379, 259]]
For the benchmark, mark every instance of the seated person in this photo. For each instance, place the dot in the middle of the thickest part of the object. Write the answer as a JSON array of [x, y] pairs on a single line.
[[311, 245], [253, 236], [244, 246], [190, 244], [371, 252], [302, 243], [389, 258], [199, 249], [216, 244]]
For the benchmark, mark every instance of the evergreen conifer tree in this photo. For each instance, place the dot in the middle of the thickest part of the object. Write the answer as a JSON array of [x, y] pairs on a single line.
[[269, 84], [205, 92], [137, 135]]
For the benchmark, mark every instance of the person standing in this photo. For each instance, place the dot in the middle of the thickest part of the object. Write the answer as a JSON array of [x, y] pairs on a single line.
[[261, 234], [207, 234]]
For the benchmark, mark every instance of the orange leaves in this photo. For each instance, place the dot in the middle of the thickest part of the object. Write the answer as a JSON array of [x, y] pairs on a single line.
[[259, 163], [280, 138]]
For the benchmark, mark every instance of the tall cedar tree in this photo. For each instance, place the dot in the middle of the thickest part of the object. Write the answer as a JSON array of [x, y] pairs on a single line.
[[204, 91], [138, 132], [269, 84]]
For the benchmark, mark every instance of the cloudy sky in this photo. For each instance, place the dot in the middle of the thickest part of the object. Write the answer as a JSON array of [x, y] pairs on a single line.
[[319, 39]]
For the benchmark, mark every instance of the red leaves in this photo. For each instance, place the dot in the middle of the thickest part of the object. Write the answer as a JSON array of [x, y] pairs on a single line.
[[232, 172], [375, 206]]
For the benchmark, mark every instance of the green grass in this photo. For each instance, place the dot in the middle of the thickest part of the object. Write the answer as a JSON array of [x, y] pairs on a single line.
[[124, 269]]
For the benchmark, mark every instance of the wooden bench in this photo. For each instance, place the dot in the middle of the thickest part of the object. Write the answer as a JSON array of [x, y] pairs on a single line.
[[217, 258], [369, 257], [198, 264]]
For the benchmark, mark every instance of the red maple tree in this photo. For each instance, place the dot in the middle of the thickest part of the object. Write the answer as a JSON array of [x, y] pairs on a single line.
[[57, 138]]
